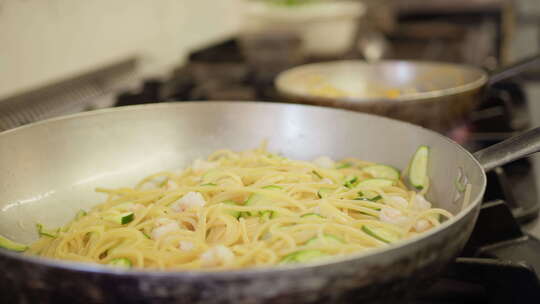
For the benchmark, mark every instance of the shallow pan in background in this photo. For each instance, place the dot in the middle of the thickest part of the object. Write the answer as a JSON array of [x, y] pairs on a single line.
[[434, 95]]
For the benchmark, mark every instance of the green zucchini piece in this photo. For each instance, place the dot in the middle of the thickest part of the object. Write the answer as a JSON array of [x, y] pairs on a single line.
[[244, 214], [312, 215], [47, 232], [343, 165], [273, 187], [164, 182], [324, 192], [317, 174], [374, 183], [418, 168], [80, 213], [290, 258], [266, 214], [380, 234], [233, 213], [326, 238], [260, 199], [208, 184], [373, 199], [120, 262], [146, 235], [122, 219], [350, 181], [11, 245], [303, 256], [382, 171], [309, 255]]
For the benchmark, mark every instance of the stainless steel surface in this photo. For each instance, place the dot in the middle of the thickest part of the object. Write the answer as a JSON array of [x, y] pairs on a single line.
[[515, 69], [49, 170], [67, 96], [509, 150]]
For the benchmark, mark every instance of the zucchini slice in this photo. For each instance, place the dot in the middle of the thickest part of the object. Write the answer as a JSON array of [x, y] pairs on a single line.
[[257, 199], [350, 181], [418, 167], [47, 232], [382, 171], [121, 262], [343, 165], [80, 213], [11, 245], [122, 219], [372, 183], [380, 234], [303, 256], [326, 239], [266, 215], [372, 199], [273, 187]]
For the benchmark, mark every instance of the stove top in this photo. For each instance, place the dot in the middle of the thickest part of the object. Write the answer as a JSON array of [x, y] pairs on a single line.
[[499, 264]]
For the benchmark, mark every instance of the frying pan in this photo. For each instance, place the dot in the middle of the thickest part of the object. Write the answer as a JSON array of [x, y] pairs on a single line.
[[50, 168], [434, 95]]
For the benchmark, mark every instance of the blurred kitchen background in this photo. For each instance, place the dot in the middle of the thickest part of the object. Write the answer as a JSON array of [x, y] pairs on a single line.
[[66, 56], [232, 49]]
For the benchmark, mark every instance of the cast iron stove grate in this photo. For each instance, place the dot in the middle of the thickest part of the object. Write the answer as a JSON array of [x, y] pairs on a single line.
[[499, 264]]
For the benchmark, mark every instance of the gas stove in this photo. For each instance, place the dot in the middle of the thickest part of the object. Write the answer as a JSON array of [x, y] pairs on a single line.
[[500, 262]]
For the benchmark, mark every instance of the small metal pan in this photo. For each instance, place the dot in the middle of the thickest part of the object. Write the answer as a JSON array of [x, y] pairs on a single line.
[[432, 94]]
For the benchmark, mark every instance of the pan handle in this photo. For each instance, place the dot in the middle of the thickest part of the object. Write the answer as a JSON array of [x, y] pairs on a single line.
[[514, 69], [509, 150]]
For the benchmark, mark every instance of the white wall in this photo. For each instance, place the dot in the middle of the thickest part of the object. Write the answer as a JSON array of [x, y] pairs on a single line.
[[42, 41]]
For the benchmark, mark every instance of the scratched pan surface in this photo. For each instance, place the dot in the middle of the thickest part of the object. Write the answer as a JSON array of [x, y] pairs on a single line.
[[49, 171]]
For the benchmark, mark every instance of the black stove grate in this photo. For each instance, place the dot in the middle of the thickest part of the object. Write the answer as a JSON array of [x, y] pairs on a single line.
[[498, 265]]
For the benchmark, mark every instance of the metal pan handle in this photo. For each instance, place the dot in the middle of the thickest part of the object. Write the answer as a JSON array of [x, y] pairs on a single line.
[[513, 69], [509, 150]]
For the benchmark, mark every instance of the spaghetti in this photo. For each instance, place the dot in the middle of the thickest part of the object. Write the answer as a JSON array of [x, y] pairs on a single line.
[[245, 209]]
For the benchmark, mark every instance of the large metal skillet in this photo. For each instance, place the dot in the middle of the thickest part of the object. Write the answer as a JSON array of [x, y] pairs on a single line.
[[49, 169]]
